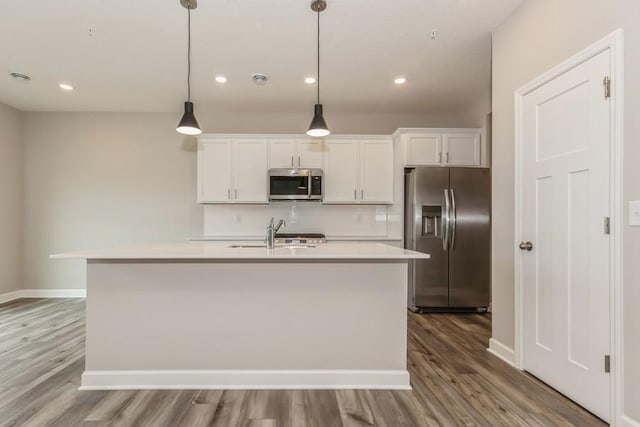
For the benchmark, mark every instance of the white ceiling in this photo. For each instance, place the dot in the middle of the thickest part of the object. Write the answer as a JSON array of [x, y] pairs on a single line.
[[136, 59]]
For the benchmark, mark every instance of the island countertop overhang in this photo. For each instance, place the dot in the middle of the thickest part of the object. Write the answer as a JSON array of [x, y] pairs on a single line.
[[226, 251]]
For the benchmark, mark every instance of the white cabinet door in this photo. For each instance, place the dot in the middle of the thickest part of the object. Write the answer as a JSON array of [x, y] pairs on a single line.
[[282, 153], [291, 153], [341, 172], [214, 172], [309, 154], [250, 171], [424, 149], [461, 149], [376, 172]]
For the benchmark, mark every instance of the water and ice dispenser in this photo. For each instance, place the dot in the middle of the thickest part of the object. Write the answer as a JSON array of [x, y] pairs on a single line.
[[431, 221]]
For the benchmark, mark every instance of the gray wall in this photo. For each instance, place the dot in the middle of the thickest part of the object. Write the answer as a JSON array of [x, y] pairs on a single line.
[[539, 35], [11, 188], [105, 179], [94, 180]]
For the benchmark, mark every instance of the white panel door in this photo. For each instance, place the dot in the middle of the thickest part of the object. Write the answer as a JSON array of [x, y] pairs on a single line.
[[341, 172], [461, 149], [376, 172], [214, 172], [282, 153], [565, 199], [250, 163], [310, 154], [424, 149]]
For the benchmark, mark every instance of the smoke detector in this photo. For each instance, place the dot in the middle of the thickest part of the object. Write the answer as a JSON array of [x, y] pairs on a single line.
[[259, 79]]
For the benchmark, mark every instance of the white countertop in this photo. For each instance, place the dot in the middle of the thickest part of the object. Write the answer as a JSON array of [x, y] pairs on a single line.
[[222, 250], [328, 238]]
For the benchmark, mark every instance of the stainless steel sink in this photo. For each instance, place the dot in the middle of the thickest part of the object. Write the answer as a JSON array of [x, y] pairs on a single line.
[[288, 246]]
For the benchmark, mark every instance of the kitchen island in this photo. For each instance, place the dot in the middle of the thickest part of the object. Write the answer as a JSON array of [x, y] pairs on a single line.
[[214, 315]]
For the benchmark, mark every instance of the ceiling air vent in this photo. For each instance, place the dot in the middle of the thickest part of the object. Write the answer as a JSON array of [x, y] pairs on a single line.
[[259, 79]]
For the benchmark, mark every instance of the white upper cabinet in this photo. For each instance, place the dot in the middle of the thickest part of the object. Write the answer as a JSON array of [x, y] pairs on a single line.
[[232, 171], [214, 171], [310, 154], [443, 147], [234, 168], [295, 153], [376, 172], [461, 149], [251, 171], [424, 149], [358, 171], [282, 153], [341, 172]]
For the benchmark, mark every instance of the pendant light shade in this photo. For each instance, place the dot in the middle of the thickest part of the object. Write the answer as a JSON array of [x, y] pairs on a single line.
[[188, 124], [318, 126]]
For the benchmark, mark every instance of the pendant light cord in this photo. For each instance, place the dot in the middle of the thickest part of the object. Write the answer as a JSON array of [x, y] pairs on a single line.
[[189, 53], [318, 55]]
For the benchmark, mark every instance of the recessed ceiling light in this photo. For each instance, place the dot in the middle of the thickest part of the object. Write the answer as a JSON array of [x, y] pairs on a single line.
[[221, 79], [65, 86], [309, 80], [20, 76], [400, 80]]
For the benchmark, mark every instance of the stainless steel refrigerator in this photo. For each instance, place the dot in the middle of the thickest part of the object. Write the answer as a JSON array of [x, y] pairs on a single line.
[[448, 215]]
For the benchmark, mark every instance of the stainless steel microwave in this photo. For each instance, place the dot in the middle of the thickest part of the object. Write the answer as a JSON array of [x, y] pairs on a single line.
[[295, 184]]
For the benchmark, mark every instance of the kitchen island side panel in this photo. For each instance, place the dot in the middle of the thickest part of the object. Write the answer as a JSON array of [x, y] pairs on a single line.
[[165, 316]]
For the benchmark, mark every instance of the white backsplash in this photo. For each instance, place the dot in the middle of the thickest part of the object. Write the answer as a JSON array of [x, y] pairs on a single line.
[[310, 217]]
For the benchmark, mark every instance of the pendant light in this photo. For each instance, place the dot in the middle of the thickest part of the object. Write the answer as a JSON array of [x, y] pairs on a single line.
[[318, 127], [188, 124]]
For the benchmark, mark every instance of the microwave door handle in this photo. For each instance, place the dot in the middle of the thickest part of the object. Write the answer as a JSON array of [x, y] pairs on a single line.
[[309, 184]]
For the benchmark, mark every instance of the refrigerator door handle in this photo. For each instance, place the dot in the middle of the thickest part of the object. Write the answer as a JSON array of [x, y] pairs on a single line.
[[417, 225], [445, 222], [453, 219]]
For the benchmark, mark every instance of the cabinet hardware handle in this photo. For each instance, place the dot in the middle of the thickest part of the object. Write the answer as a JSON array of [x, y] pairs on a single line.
[[440, 157], [361, 194], [298, 161], [236, 194], [447, 157], [291, 161], [355, 194], [229, 194]]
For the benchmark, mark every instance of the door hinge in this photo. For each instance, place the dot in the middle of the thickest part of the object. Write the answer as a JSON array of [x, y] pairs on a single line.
[[607, 363], [607, 87], [607, 225]]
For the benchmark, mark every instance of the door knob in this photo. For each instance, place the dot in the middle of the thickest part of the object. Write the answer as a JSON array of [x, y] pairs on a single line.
[[526, 246]]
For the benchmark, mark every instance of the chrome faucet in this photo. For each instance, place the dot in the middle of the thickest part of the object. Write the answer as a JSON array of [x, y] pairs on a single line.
[[271, 232]]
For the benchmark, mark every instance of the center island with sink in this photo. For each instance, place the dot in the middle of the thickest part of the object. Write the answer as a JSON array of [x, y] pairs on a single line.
[[225, 315]]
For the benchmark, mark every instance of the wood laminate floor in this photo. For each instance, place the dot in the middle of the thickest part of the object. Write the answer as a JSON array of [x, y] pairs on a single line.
[[456, 382]]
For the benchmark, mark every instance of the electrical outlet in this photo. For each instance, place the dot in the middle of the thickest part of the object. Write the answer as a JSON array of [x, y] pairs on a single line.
[[634, 213]]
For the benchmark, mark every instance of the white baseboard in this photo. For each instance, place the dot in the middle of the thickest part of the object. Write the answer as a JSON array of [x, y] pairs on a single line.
[[245, 380], [54, 293], [502, 351], [43, 293], [10, 296], [628, 422]]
